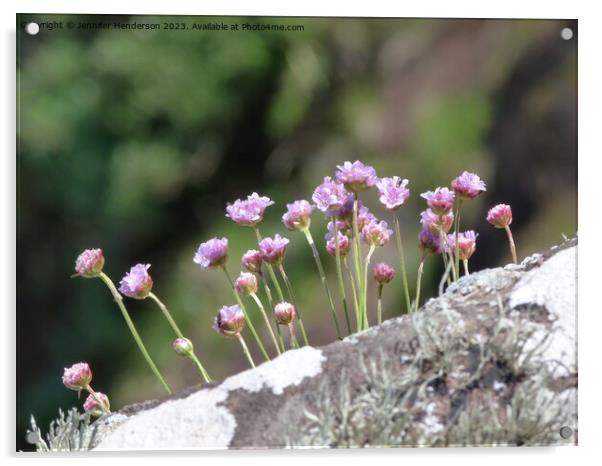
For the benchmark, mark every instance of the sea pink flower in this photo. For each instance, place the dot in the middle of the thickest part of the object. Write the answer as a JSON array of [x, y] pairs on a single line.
[[376, 233], [441, 200], [330, 195], [137, 283], [364, 217], [251, 261], [468, 186], [383, 273], [246, 283], [183, 346], [91, 405], [500, 216], [212, 253], [393, 192], [273, 249], [89, 263], [356, 176], [229, 321], [285, 313], [297, 217], [344, 245], [345, 212], [78, 376], [248, 212], [428, 242], [435, 223], [342, 227], [467, 243]]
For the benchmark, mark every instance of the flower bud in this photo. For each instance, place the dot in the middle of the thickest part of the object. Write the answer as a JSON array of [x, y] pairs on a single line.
[[229, 321], [436, 223], [137, 283], [91, 405], [428, 242], [183, 346], [344, 245], [500, 216], [246, 283], [285, 313], [251, 261], [78, 376], [467, 244], [89, 263], [383, 273]]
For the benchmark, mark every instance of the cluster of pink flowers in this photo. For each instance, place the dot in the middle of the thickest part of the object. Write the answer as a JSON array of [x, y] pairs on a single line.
[[78, 377]]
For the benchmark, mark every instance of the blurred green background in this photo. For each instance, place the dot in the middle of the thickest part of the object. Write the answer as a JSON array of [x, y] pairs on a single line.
[[134, 141]]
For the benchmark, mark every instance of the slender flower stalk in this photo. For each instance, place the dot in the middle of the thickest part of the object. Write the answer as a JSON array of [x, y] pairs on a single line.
[[404, 273], [294, 300], [357, 256], [246, 315], [340, 275], [456, 243], [354, 292], [190, 354], [119, 300], [365, 324], [292, 335], [379, 307], [512, 245], [465, 263], [267, 321], [320, 267], [419, 282], [268, 293], [245, 350]]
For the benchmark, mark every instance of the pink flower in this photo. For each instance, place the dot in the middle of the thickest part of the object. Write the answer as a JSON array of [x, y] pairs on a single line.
[[383, 273], [393, 192], [229, 321], [342, 227], [251, 261], [435, 223], [212, 253], [273, 249], [183, 346], [91, 405], [344, 245], [468, 186], [441, 200], [429, 243], [356, 176], [285, 313], [330, 195], [246, 283], [248, 212], [137, 283], [89, 263], [297, 215], [376, 233], [467, 243], [78, 376], [500, 216]]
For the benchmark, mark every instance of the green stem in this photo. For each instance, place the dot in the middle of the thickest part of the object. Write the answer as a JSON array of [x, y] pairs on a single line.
[[365, 283], [267, 321], [404, 274], [457, 246], [292, 295], [268, 293], [119, 300], [379, 307], [512, 245], [318, 261], [245, 350], [354, 292], [357, 255], [247, 319], [337, 254], [465, 262], [293, 337], [178, 333], [418, 283]]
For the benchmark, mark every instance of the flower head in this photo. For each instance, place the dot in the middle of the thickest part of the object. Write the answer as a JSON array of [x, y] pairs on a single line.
[[246, 283], [356, 176], [330, 195], [248, 212], [500, 216], [251, 261], [468, 186], [376, 233], [297, 215], [344, 245], [273, 249], [441, 200], [467, 243], [137, 283], [436, 223], [212, 253], [285, 313], [383, 273], [393, 192], [89, 263], [78, 376], [428, 242], [183, 346], [342, 227], [91, 405], [364, 217], [229, 321], [345, 212]]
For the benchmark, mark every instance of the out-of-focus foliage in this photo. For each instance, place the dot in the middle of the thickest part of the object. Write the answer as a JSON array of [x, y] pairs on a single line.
[[133, 141]]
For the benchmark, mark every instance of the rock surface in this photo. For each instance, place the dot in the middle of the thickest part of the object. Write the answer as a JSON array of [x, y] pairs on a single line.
[[492, 361]]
